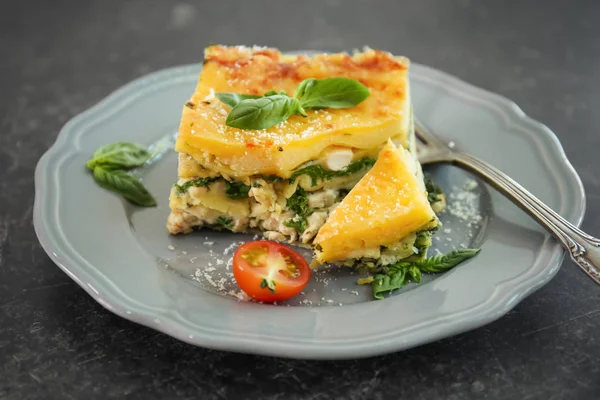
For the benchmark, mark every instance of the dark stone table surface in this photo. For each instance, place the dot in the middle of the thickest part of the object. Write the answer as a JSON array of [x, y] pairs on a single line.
[[58, 58]]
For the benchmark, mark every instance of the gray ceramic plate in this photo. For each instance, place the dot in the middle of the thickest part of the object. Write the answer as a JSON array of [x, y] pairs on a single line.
[[124, 258]]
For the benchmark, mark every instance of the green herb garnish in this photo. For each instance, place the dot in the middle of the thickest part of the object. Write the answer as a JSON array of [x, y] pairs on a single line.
[[298, 203], [236, 190], [224, 222], [317, 172], [397, 275], [330, 93], [445, 262], [120, 182], [274, 92], [110, 164], [254, 112], [414, 273], [396, 278], [268, 284], [233, 99], [263, 112], [120, 155], [199, 182]]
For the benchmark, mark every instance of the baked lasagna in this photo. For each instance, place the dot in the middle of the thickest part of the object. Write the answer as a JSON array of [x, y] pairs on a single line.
[[285, 180]]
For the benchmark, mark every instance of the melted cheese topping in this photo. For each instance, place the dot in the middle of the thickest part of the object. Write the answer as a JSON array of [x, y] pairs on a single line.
[[278, 150]]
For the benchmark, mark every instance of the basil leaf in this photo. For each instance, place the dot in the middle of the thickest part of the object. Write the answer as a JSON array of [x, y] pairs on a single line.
[[397, 275], [233, 99], [415, 273], [384, 283], [236, 190], [119, 155], [264, 112], [330, 93], [274, 92], [256, 112], [302, 87], [443, 263], [120, 182]]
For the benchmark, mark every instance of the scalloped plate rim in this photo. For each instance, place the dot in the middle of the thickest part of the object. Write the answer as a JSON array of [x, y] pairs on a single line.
[[362, 347]]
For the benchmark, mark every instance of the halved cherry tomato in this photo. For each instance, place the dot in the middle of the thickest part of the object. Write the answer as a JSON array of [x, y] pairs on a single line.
[[268, 271]]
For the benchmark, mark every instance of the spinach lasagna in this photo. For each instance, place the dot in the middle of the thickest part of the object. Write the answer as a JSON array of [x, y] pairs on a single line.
[[286, 180]]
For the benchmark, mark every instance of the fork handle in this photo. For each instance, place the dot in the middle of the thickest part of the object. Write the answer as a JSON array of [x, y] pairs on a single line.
[[583, 248]]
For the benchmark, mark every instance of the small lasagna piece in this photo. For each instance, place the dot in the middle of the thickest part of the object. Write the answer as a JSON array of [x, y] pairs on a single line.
[[385, 218], [285, 180]]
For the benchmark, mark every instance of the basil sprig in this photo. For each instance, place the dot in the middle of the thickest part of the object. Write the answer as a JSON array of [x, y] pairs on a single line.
[[255, 112], [397, 275], [263, 112], [442, 263], [120, 182], [119, 155], [330, 93], [233, 99], [110, 164]]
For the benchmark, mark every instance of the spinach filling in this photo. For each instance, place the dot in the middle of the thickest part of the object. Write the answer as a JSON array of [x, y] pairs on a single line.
[[200, 182], [318, 173], [298, 203], [237, 190], [234, 190]]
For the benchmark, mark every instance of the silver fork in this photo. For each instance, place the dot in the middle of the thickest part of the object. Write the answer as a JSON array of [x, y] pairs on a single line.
[[583, 248]]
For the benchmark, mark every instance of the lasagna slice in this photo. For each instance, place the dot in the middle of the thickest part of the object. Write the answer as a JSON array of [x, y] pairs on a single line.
[[283, 181], [385, 218]]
